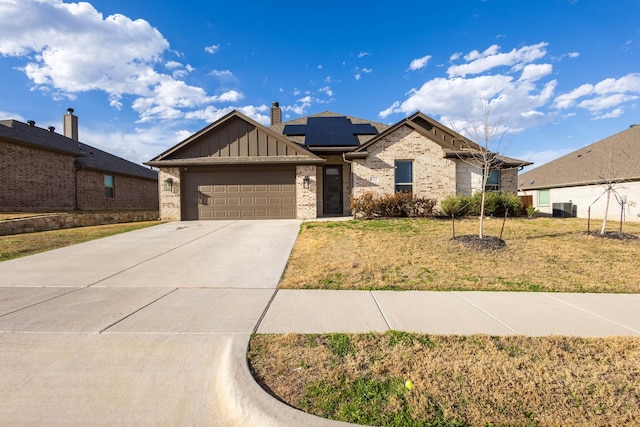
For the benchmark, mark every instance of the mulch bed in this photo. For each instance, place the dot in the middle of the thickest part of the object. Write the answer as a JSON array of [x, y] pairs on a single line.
[[487, 243], [617, 235]]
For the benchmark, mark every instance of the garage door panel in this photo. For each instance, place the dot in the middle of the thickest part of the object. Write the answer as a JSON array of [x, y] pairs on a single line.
[[239, 193]]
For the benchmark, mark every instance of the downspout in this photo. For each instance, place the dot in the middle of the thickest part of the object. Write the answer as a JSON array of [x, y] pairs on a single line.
[[344, 158]]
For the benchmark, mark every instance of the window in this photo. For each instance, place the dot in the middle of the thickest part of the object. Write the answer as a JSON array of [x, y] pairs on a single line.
[[404, 176], [108, 187], [544, 198], [493, 181]]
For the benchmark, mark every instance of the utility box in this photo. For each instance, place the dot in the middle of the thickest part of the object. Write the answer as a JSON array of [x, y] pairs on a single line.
[[562, 210]]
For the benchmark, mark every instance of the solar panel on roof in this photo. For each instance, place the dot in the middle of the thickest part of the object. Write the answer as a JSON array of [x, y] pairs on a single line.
[[329, 132], [363, 129], [295, 130]]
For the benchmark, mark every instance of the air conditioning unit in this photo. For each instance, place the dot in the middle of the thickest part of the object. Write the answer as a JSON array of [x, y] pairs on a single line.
[[562, 210]]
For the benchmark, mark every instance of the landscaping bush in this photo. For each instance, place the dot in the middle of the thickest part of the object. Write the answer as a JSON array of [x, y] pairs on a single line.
[[456, 205], [495, 204], [396, 205]]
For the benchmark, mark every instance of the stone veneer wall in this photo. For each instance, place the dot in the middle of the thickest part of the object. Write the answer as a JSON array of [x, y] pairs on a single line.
[[71, 220], [433, 175], [170, 208], [306, 199]]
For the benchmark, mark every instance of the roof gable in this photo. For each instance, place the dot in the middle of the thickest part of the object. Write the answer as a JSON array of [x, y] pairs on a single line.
[[590, 164], [235, 138], [453, 144]]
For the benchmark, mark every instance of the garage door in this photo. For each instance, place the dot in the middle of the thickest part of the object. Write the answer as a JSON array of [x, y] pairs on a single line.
[[240, 193]]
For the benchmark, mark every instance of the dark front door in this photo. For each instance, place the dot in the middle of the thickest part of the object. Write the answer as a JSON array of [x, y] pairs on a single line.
[[332, 190]]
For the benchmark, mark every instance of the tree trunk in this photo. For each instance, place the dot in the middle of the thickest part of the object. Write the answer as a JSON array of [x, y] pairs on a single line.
[[606, 212], [481, 232]]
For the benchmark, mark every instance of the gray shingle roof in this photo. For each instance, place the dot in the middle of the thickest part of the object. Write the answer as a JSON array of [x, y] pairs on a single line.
[[22, 133], [590, 164], [87, 157]]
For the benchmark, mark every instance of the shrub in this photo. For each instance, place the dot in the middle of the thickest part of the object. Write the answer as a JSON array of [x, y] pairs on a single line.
[[495, 204], [456, 205], [400, 204]]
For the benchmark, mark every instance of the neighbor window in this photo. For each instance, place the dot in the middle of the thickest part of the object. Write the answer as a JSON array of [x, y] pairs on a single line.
[[108, 187], [493, 181], [544, 198], [404, 176]]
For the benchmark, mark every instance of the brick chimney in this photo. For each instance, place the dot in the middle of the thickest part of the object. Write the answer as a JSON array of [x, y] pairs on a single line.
[[276, 113], [70, 125]]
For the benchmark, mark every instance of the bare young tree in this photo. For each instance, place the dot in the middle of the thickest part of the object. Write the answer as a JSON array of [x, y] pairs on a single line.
[[488, 136]]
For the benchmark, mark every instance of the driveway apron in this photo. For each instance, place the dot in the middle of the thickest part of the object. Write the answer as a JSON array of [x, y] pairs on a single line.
[[148, 327]]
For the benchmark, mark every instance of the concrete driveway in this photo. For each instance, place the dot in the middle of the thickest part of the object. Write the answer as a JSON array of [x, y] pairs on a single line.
[[144, 328]]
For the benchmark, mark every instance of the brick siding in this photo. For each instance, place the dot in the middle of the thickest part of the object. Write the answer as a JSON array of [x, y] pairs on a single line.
[[433, 175], [33, 179], [129, 192]]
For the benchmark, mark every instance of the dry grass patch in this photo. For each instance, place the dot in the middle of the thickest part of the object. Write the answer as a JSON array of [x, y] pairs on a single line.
[[474, 380], [19, 245], [544, 254]]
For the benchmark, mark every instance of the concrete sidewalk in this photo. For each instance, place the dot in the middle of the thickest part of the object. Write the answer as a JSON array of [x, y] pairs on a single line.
[[151, 327], [458, 313]]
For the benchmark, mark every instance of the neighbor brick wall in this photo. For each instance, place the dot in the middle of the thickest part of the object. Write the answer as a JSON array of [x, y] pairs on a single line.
[[33, 179], [433, 175], [170, 207], [129, 192]]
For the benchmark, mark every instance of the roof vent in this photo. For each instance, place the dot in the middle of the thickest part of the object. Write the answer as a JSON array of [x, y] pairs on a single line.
[[31, 123], [52, 129]]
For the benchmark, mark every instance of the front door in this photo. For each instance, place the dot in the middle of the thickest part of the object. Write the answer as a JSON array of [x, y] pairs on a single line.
[[332, 190]]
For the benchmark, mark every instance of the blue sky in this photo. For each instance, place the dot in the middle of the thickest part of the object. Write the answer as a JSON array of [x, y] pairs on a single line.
[[143, 75]]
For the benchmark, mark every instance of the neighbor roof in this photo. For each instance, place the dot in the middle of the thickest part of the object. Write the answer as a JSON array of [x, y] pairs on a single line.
[[33, 136], [87, 157], [102, 161], [616, 158]]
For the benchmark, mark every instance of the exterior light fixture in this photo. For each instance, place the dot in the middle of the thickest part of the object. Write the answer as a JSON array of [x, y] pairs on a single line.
[[306, 183], [168, 184]]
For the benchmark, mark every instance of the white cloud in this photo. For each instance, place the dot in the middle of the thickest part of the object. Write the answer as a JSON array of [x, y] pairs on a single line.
[[610, 115], [367, 70], [573, 54], [541, 157], [419, 63], [4, 115], [326, 90], [363, 54], [54, 39], [300, 106], [609, 93], [211, 113], [214, 48], [518, 87], [479, 62], [357, 76]]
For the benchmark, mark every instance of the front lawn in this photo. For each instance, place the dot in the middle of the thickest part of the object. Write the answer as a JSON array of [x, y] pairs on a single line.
[[475, 380], [543, 254]]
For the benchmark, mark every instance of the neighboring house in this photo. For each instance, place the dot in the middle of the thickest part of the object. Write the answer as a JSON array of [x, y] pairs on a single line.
[[307, 168], [575, 184], [45, 171]]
